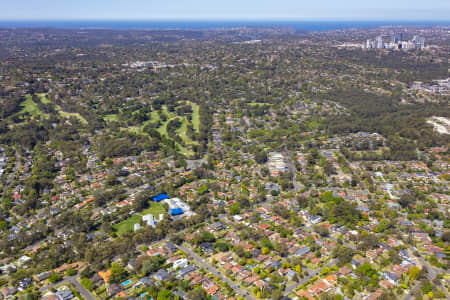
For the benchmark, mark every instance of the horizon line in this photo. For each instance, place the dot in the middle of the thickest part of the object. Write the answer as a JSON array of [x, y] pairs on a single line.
[[233, 19]]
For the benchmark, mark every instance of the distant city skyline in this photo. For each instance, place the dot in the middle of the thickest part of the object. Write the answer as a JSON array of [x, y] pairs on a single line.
[[408, 10]]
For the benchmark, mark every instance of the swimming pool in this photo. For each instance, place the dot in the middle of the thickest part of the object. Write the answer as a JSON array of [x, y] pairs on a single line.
[[125, 283]]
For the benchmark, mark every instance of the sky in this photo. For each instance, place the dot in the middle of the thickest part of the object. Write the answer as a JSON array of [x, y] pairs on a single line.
[[379, 10]]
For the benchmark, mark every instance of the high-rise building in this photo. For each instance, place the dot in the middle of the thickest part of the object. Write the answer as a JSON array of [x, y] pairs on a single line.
[[397, 38], [422, 42], [379, 42], [419, 42]]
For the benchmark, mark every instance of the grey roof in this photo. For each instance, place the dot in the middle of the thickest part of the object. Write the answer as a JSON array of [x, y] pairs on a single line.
[[186, 270], [65, 294], [161, 275], [303, 251]]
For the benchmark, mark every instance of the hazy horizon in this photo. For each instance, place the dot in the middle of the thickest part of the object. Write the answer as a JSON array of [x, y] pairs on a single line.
[[204, 10]]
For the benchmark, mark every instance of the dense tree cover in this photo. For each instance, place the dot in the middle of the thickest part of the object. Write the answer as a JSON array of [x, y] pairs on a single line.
[[340, 211], [418, 67], [404, 125], [9, 105], [151, 264], [343, 254]]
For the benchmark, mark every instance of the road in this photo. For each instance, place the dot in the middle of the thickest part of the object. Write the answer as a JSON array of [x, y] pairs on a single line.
[[409, 295], [292, 169], [199, 261], [73, 280], [353, 247], [311, 274], [431, 275]]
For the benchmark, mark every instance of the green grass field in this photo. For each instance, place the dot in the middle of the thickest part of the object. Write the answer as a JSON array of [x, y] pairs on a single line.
[[111, 117], [195, 115], [155, 209], [259, 104], [29, 106], [162, 129], [128, 225], [74, 115], [44, 98]]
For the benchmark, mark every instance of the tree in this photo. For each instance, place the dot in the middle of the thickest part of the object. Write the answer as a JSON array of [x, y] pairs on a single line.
[[164, 295], [197, 294], [118, 273], [141, 201], [239, 250], [281, 249], [446, 237], [343, 254], [87, 283], [102, 197], [203, 189], [266, 243], [235, 208], [221, 246], [261, 157], [54, 278], [414, 273], [406, 200], [152, 264], [277, 294], [111, 180], [328, 168], [320, 229]]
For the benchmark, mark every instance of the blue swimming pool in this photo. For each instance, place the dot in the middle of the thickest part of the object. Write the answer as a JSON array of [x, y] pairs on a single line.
[[125, 283]]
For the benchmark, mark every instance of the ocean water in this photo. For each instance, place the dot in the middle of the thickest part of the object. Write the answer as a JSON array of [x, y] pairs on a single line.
[[198, 25]]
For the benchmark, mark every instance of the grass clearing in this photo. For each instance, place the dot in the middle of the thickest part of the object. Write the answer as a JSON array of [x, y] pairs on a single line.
[[128, 225], [74, 115], [44, 98], [155, 209], [182, 132], [195, 116], [259, 104], [111, 117], [30, 107]]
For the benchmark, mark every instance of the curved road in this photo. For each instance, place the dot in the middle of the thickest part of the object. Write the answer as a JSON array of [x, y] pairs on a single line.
[[74, 281]]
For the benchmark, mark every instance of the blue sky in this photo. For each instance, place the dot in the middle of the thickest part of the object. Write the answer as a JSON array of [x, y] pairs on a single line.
[[226, 9]]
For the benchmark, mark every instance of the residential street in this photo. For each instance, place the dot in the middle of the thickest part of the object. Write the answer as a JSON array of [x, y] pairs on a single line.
[[311, 273], [291, 167], [73, 280], [213, 270]]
